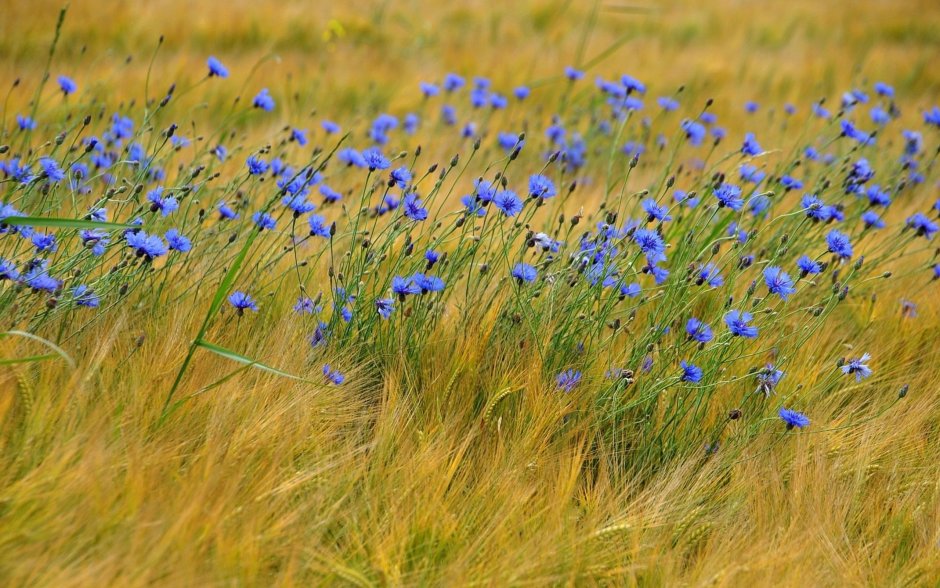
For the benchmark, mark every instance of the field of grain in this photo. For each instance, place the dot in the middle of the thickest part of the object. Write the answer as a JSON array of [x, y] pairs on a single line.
[[405, 293]]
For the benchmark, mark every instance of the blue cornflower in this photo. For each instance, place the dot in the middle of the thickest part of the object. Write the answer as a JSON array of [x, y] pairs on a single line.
[[694, 132], [932, 116], [299, 135], [220, 152], [710, 274], [374, 159], [399, 177], [872, 220], [298, 204], [83, 296], [241, 301], [923, 226], [778, 282], [44, 242], [411, 123], [508, 202], [330, 127], [573, 74], [541, 187], [256, 165], [851, 131], [808, 266], [858, 367], [67, 85], [877, 196], [473, 205], [38, 279], [521, 92], [329, 194], [165, 205], [25, 123], [216, 69], [793, 418], [8, 270], [683, 197], [432, 257], [729, 195], [524, 272], [305, 305], [630, 290], [568, 380], [815, 208], [790, 183], [546, 243], [453, 82], [402, 287], [751, 107], [318, 226], [51, 169], [690, 373], [655, 211], [632, 84], [883, 89], [385, 307], [226, 212], [264, 101], [839, 244], [147, 246], [429, 90], [651, 244], [751, 173], [264, 221], [767, 379], [698, 331], [879, 116], [333, 375], [737, 322], [498, 101], [414, 208], [178, 242], [750, 147], [668, 104], [94, 239], [427, 284], [449, 115]]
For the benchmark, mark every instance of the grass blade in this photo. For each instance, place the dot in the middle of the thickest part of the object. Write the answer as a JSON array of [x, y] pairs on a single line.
[[62, 223], [235, 356], [59, 351]]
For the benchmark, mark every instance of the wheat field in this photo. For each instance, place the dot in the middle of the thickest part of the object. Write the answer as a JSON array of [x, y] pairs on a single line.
[[348, 420]]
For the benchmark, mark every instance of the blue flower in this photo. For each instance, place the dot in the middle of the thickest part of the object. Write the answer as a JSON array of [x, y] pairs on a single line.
[[147, 246], [333, 376], [51, 169], [67, 85], [808, 266], [44, 242], [318, 226], [264, 221], [630, 290], [793, 418], [241, 301], [8, 270], [751, 107], [508, 202], [524, 272], [932, 116], [750, 146], [385, 307], [729, 195], [655, 211], [568, 380], [872, 220], [541, 187], [94, 239], [264, 101], [778, 282], [698, 331], [737, 322], [177, 242], [883, 89], [83, 296], [767, 379], [710, 274], [651, 244], [216, 69], [298, 204], [256, 165], [414, 208], [402, 287], [573, 74], [374, 159], [690, 373], [226, 212], [399, 177], [453, 82], [305, 305], [25, 123], [165, 205], [299, 135], [429, 90], [427, 284], [858, 367], [667, 104], [521, 92], [922, 225], [330, 127], [839, 244], [751, 173], [39, 280], [694, 132]]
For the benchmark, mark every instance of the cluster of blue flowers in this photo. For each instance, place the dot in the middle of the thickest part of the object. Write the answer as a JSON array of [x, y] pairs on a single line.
[[705, 256]]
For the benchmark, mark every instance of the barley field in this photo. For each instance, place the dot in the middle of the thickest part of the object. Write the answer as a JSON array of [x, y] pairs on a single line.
[[412, 293]]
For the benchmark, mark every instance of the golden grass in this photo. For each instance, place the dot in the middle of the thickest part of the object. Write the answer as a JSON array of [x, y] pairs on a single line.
[[459, 477]]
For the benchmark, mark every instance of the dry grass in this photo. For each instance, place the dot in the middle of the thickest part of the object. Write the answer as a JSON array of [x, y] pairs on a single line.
[[449, 475]]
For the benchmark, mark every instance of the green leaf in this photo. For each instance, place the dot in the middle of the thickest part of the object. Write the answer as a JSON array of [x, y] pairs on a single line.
[[234, 356], [62, 223], [59, 351], [30, 359]]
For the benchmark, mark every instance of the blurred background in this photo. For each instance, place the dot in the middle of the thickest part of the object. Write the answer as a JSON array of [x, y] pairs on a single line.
[[732, 50]]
